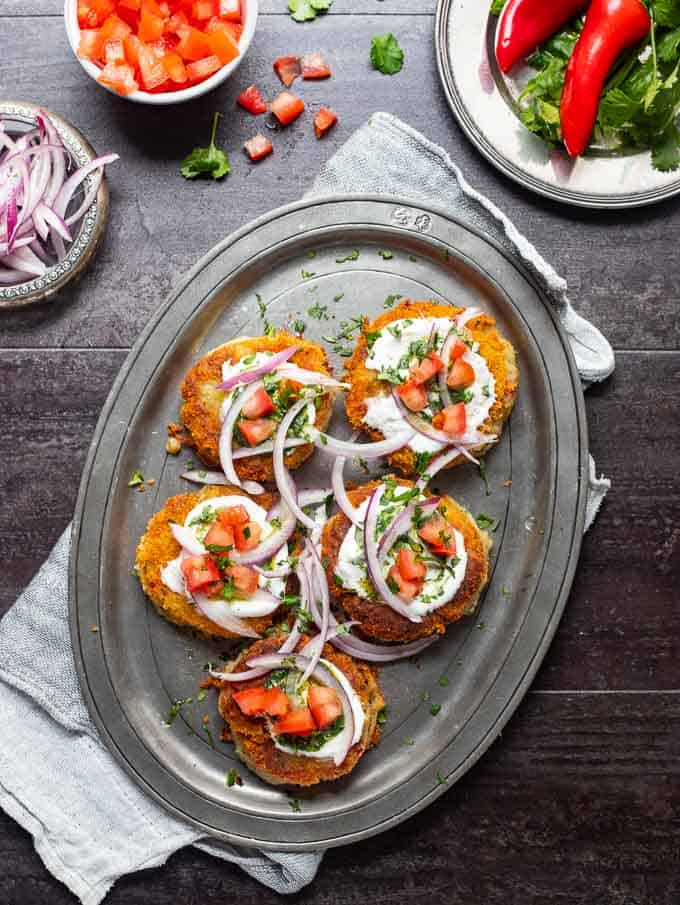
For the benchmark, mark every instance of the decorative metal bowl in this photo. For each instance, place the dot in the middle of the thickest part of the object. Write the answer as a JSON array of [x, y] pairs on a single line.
[[19, 117]]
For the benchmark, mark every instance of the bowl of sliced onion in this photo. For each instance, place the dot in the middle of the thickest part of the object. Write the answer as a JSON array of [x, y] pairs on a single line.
[[160, 51], [54, 203]]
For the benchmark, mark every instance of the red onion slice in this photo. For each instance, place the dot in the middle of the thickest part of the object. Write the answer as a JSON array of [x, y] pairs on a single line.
[[219, 612], [445, 355], [338, 482], [68, 188], [227, 438], [186, 538], [373, 562], [322, 585], [323, 675], [436, 465], [402, 524], [284, 482], [198, 476], [309, 378], [420, 424], [467, 314], [270, 546], [25, 260], [385, 447], [259, 370]]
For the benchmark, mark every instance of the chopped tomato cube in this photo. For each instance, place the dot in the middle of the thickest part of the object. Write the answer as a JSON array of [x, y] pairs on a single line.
[[461, 375], [114, 52], [286, 107], [296, 722], [409, 567], [120, 78], [258, 405], [193, 44], [458, 349], [203, 9], [251, 100], [175, 68], [91, 44], [258, 701], [247, 537], [204, 68], [114, 29], [134, 5], [407, 590], [325, 705], [199, 571], [131, 44], [234, 515], [223, 46], [150, 26], [150, 67], [323, 121], [452, 420], [235, 29], [91, 13], [257, 148], [412, 395], [245, 579], [229, 10], [256, 432], [438, 534], [287, 69], [314, 66], [428, 367], [175, 22], [219, 535]]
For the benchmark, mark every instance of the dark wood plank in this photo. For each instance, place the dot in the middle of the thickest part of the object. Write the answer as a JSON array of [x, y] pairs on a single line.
[[578, 804], [607, 258], [617, 631]]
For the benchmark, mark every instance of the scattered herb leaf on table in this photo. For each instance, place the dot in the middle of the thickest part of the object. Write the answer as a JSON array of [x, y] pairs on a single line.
[[307, 10], [386, 54], [208, 162]]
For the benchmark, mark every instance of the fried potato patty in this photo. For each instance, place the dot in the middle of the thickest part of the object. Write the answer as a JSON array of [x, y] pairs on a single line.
[[497, 351], [377, 620], [254, 744], [202, 400], [158, 547]]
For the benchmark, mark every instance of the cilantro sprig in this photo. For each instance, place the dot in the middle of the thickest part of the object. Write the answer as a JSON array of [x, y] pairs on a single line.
[[386, 54], [210, 162]]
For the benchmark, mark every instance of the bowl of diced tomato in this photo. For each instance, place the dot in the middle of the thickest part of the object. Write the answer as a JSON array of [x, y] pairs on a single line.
[[160, 51]]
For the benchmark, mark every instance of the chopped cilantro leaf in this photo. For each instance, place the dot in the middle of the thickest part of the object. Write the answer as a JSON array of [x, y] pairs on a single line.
[[210, 161], [486, 522], [136, 479], [386, 54], [352, 256]]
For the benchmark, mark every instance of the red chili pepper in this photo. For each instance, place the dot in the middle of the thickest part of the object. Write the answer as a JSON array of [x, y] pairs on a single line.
[[611, 26], [527, 23]]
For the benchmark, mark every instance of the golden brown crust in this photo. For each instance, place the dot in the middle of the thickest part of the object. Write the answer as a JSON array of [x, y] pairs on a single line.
[[202, 400], [381, 621], [497, 351], [254, 744], [158, 547]]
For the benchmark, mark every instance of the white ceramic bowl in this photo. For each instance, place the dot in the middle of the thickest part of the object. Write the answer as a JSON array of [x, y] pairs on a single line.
[[167, 97]]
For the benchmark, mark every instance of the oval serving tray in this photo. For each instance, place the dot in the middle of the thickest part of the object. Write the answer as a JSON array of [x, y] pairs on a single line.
[[137, 665], [482, 100]]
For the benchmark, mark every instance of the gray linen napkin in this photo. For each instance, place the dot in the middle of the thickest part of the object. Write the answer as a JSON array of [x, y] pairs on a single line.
[[91, 824]]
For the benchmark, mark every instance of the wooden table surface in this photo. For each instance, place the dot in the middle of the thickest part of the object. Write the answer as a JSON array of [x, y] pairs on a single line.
[[579, 801]]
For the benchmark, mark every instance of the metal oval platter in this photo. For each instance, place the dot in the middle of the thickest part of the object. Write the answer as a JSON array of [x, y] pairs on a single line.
[[483, 101], [342, 257]]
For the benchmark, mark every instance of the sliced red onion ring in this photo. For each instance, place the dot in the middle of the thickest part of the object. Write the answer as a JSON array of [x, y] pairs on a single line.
[[373, 562], [309, 378], [322, 585], [284, 482], [198, 476], [323, 675], [466, 315], [402, 524], [186, 538], [436, 465], [244, 676], [270, 546], [259, 370], [219, 612], [420, 424], [444, 373], [385, 447], [283, 572], [245, 452], [68, 188], [338, 482], [227, 438]]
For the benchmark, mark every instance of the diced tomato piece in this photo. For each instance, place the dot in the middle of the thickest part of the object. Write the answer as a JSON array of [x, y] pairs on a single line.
[[193, 44], [203, 9], [251, 100], [91, 13], [219, 535], [438, 534], [120, 78], [134, 5], [114, 29], [150, 26], [412, 395], [199, 571], [247, 536], [461, 375], [258, 405], [296, 722], [452, 420], [287, 69], [175, 68], [286, 107], [409, 567], [229, 10], [407, 590], [204, 68], [428, 367], [325, 705], [258, 701], [245, 579], [151, 68], [223, 46], [256, 432], [175, 23], [313, 66], [235, 29], [323, 121], [234, 515], [257, 148], [131, 44], [91, 44], [458, 349], [114, 52]]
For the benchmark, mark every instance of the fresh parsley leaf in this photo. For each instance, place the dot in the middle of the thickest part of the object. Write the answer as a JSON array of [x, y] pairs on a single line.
[[667, 13], [666, 152], [306, 10], [210, 162], [382, 717], [669, 46], [486, 522], [386, 54]]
